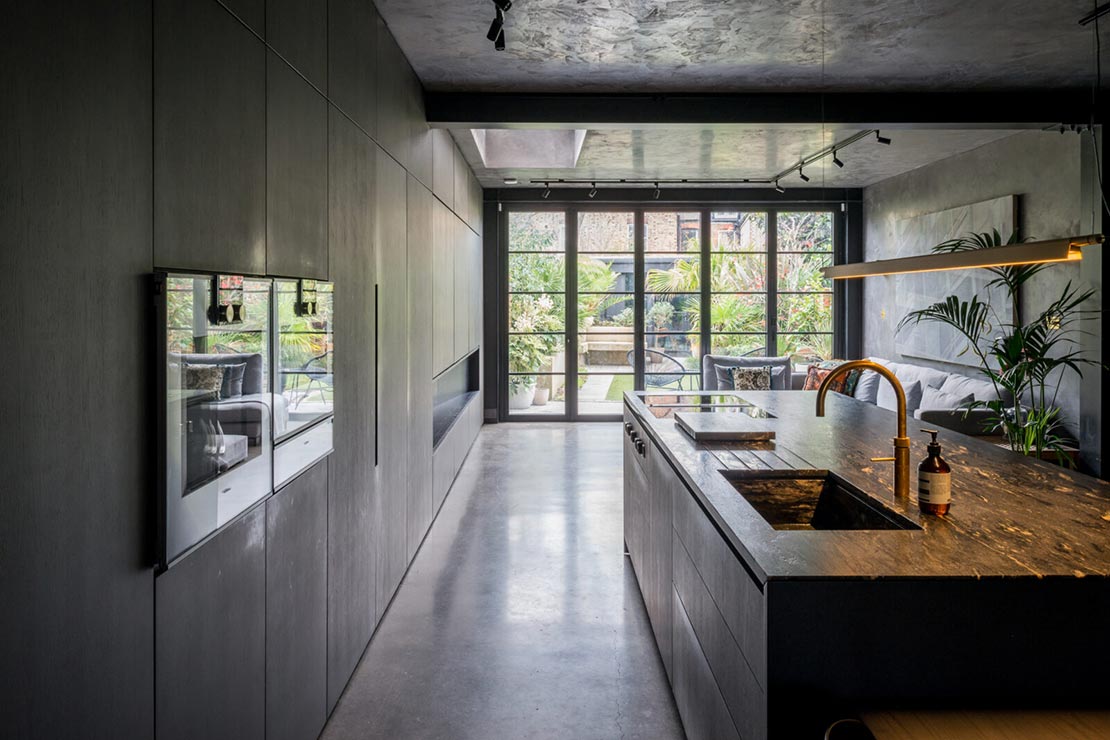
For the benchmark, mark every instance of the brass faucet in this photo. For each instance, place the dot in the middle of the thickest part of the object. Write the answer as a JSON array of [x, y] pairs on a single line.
[[901, 457]]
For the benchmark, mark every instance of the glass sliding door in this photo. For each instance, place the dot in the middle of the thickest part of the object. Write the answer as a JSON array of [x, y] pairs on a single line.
[[537, 329], [606, 294], [672, 305]]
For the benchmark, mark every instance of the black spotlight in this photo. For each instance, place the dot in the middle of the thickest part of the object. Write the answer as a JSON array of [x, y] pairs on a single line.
[[655, 195], [779, 188], [881, 139], [503, 5], [836, 160], [593, 190], [546, 191], [804, 176], [496, 28]]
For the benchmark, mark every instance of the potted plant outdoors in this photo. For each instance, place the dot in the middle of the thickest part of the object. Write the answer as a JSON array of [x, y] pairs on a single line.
[[1022, 358], [530, 352]]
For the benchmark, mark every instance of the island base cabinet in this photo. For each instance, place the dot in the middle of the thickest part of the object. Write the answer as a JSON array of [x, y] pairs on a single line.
[[700, 704]]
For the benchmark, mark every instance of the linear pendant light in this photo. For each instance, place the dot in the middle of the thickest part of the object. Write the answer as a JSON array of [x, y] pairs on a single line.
[[1027, 253]]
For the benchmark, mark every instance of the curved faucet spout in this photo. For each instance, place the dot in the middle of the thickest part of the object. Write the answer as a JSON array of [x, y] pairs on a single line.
[[901, 442]]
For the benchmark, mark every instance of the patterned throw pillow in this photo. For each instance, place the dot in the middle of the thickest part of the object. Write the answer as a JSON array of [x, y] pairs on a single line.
[[751, 378], [844, 384], [203, 377]]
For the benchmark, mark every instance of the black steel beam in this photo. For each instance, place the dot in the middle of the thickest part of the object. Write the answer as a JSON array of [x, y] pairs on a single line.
[[1017, 109]]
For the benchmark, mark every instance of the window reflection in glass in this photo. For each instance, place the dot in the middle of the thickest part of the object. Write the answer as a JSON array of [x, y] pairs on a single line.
[[305, 391], [218, 404]]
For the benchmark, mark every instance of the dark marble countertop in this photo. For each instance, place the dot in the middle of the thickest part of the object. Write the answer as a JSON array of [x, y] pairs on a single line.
[[1011, 516]]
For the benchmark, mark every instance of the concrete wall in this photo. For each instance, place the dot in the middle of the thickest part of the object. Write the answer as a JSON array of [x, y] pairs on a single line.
[[1043, 169]]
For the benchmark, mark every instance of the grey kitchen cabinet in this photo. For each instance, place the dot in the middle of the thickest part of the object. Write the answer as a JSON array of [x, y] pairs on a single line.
[[656, 581], [443, 289], [460, 315], [352, 535], [298, 31], [394, 128], [443, 166], [475, 284], [636, 497], [353, 61], [210, 637], [297, 175], [421, 206], [393, 375], [209, 180], [700, 704], [297, 606]]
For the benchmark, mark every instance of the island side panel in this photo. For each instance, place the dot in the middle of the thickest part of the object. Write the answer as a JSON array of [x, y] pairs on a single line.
[[840, 646]]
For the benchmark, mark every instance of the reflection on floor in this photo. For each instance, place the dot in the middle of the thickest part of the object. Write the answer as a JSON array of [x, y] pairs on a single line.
[[520, 616]]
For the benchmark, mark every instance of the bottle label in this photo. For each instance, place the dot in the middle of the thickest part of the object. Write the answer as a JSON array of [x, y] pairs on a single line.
[[934, 488]]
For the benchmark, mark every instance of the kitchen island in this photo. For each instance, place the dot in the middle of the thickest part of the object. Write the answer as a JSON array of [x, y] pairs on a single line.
[[770, 629]]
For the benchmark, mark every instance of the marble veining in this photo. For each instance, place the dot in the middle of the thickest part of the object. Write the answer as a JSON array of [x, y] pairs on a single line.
[[1011, 516]]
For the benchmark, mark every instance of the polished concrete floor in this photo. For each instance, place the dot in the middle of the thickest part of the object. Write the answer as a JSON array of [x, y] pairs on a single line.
[[520, 616]]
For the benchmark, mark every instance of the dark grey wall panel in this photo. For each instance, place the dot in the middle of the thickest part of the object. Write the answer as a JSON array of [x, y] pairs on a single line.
[[463, 193], [296, 607], [76, 590], [394, 127], [297, 175], [443, 289], [443, 166], [210, 614], [251, 12], [460, 253], [419, 513], [352, 553], [298, 30], [353, 60], [421, 153], [209, 140], [392, 226]]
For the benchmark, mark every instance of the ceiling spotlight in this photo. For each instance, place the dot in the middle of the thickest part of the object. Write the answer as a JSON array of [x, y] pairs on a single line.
[[836, 159], [779, 188], [593, 190], [655, 195], [496, 29], [503, 5], [804, 176], [546, 191], [511, 181], [499, 44], [881, 139]]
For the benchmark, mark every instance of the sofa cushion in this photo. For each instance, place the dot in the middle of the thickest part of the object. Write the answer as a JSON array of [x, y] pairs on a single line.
[[233, 379], [724, 378], [751, 378], [203, 377], [908, 373], [252, 373], [888, 400], [962, 385], [780, 381], [867, 387], [934, 399]]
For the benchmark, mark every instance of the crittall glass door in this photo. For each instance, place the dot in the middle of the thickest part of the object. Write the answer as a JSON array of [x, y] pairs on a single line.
[[652, 290]]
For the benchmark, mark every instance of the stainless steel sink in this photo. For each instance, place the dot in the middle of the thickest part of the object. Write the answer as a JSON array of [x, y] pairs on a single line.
[[812, 500]]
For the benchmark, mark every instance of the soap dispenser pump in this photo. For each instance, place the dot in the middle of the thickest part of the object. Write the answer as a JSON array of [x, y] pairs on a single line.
[[934, 480]]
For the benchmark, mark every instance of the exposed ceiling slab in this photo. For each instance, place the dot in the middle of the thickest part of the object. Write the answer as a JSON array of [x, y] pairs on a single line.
[[747, 45], [723, 153]]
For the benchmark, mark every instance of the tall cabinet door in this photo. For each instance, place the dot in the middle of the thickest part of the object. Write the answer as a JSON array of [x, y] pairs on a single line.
[[209, 179], [657, 594], [352, 537], [420, 210], [393, 411]]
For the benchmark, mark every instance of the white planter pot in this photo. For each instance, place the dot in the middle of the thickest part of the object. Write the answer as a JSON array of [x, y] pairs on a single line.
[[522, 399], [542, 395]]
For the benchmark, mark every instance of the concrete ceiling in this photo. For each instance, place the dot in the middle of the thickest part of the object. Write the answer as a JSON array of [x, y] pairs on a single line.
[[746, 45], [742, 152]]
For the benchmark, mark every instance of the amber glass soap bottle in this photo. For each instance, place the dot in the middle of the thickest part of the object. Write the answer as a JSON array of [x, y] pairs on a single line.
[[934, 480]]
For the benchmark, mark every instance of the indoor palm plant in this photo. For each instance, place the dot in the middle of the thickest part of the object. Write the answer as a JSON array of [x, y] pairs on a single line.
[[1024, 360]]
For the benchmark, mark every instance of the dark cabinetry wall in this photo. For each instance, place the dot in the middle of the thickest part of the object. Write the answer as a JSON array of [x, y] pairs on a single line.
[[296, 607], [296, 175], [209, 140], [352, 557], [240, 136], [211, 638], [76, 590]]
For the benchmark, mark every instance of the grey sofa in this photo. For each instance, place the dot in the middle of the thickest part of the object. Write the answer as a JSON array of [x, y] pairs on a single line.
[[782, 377], [932, 408]]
